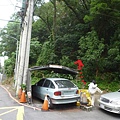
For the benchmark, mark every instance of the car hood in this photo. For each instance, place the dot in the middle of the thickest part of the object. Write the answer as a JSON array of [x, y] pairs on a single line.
[[112, 96]]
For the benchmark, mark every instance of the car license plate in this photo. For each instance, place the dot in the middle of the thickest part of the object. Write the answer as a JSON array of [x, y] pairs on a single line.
[[102, 106]]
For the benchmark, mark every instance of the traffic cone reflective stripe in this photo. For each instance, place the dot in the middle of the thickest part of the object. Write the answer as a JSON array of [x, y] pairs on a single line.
[[23, 97], [45, 104]]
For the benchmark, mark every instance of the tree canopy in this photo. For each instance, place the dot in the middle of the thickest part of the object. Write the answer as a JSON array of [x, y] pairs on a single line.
[[68, 30]]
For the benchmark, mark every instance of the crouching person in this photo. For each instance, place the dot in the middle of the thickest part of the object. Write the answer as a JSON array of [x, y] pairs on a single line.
[[92, 89]]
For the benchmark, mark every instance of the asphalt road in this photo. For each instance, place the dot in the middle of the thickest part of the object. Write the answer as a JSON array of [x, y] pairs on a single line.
[[13, 110]]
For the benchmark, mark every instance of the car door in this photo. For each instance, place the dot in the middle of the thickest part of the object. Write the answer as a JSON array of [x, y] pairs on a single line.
[[37, 89], [45, 88]]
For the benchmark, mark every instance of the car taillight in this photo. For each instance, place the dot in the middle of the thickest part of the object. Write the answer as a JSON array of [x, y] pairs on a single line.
[[57, 93], [77, 92]]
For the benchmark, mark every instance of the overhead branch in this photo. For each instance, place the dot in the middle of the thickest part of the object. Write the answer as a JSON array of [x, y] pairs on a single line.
[[74, 11]]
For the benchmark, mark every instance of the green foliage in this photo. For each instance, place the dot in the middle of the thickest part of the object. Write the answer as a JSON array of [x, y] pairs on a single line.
[[35, 49], [47, 55], [66, 61], [63, 46], [80, 84], [34, 80], [88, 18], [104, 16], [109, 86], [1, 69], [90, 51], [87, 30], [23, 86], [9, 37], [39, 31], [9, 65]]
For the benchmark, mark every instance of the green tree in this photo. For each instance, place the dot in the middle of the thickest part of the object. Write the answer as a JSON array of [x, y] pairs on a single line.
[[90, 51], [10, 65], [104, 16], [47, 55], [35, 50], [9, 37]]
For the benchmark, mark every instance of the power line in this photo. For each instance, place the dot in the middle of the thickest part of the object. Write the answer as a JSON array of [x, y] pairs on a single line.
[[14, 4], [4, 20], [11, 2], [9, 20], [6, 5]]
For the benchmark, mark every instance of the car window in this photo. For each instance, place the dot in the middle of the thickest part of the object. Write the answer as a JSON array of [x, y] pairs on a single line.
[[64, 84], [40, 83], [47, 83], [51, 85]]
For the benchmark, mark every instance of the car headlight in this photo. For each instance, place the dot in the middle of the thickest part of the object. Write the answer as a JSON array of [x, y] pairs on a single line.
[[115, 102], [101, 98]]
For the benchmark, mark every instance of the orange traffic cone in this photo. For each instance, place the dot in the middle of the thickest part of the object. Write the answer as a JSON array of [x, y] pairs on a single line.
[[23, 97], [45, 104], [19, 93]]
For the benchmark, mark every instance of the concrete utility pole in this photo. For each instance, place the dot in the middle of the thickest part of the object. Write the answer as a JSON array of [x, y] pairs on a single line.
[[23, 60], [31, 4], [18, 61]]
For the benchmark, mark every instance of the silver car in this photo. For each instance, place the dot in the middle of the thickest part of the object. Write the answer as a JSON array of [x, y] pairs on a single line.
[[110, 102], [58, 90]]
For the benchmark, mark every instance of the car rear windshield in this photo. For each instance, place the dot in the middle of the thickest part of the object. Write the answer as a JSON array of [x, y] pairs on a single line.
[[64, 84]]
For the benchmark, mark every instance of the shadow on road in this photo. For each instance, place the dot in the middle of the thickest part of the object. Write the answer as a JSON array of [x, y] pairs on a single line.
[[109, 113], [61, 107]]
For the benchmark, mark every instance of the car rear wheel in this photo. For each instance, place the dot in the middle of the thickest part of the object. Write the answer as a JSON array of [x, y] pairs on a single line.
[[50, 104]]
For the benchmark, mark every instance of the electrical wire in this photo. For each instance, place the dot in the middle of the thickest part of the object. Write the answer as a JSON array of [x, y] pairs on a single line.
[[15, 6], [11, 2], [6, 5], [10, 20]]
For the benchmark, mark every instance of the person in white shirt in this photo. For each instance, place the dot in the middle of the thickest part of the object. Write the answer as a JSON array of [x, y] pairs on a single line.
[[92, 90]]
